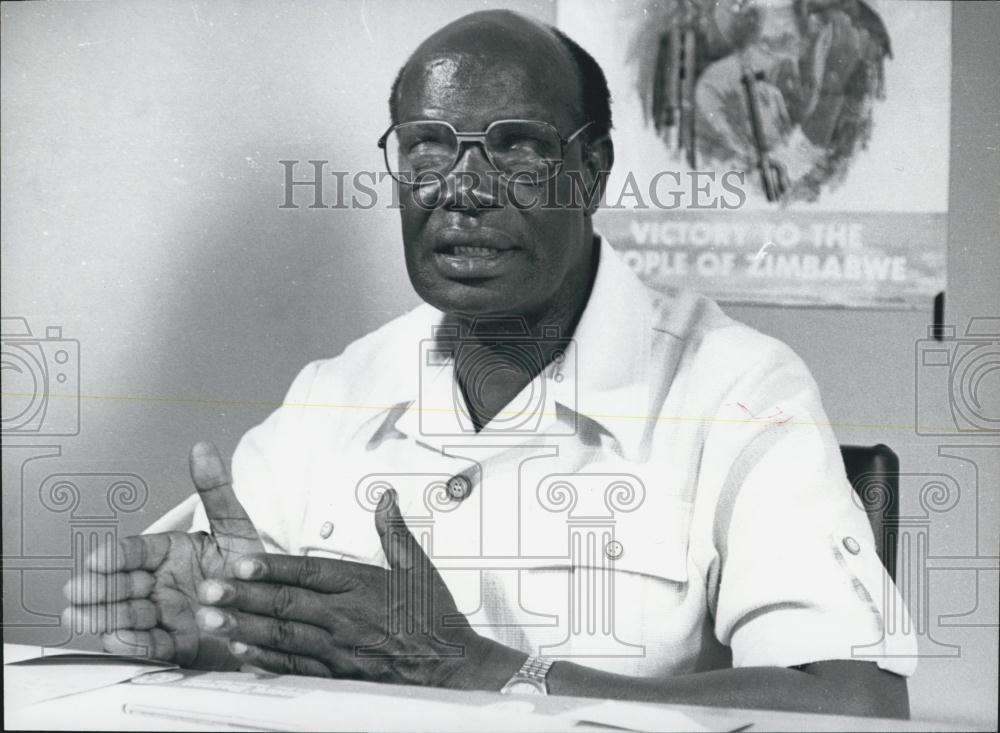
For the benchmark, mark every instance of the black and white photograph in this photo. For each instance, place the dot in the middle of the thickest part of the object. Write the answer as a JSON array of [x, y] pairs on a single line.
[[500, 365]]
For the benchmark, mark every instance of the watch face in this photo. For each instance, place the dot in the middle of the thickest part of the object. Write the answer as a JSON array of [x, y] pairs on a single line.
[[524, 687]]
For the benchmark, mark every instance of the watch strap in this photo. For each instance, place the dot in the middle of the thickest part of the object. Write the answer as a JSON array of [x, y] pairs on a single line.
[[534, 671]]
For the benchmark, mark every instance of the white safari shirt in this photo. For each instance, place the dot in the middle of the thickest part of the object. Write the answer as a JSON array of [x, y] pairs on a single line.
[[665, 498]]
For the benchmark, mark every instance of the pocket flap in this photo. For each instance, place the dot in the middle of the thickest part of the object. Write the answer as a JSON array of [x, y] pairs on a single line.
[[655, 544]]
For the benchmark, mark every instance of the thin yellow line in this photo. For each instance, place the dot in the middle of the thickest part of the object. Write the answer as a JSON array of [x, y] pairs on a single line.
[[426, 409]]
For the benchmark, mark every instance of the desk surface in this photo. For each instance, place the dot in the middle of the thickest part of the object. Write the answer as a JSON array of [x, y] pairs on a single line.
[[192, 700]]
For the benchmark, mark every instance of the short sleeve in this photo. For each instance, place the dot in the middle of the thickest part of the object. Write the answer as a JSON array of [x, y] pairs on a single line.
[[799, 580]]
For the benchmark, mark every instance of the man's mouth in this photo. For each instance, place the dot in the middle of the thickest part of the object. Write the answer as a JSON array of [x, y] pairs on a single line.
[[473, 261], [474, 254], [470, 251]]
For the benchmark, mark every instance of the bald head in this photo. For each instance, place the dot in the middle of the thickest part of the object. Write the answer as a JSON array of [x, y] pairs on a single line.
[[493, 49], [496, 33]]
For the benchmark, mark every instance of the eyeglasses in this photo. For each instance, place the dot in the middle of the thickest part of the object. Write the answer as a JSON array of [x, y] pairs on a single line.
[[525, 151]]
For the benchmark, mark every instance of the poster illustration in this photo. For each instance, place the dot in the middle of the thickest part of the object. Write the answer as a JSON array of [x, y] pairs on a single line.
[[777, 151]]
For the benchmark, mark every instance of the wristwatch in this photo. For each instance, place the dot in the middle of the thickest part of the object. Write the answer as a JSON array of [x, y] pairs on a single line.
[[530, 679]]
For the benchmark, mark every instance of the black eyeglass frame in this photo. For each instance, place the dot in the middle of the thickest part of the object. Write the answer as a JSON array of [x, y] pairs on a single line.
[[472, 138]]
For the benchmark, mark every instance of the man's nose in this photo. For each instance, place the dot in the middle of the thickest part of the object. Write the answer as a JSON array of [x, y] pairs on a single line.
[[472, 183]]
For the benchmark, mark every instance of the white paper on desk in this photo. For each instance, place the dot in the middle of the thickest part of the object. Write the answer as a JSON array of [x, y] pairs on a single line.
[[634, 716], [33, 680], [259, 706]]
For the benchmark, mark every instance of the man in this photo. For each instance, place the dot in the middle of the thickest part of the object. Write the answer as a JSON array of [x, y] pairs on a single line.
[[629, 496]]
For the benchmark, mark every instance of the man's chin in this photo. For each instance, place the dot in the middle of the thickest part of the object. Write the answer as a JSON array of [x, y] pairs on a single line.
[[469, 298]]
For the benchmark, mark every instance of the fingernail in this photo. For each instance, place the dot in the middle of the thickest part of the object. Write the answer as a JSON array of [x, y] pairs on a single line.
[[238, 647], [248, 568], [388, 496], [213, 591], [212, 619]]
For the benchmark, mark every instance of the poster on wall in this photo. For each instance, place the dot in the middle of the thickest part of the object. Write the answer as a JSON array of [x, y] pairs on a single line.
[[788, 152]]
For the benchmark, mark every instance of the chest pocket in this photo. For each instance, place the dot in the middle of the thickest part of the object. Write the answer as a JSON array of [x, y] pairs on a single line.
[[621, 589], [611, 522], [339, 545], [340, 524], [655, 543]]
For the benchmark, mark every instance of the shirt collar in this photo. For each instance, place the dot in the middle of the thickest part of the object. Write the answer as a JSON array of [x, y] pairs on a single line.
[[604, 376], [612, 345]]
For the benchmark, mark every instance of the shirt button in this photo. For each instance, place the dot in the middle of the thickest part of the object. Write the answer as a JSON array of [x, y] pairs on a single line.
[[459, 487], [852, 545], [326, 530]]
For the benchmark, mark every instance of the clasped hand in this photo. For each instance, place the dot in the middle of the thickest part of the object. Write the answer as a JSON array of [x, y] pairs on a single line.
[[215, 601], [322, 617]]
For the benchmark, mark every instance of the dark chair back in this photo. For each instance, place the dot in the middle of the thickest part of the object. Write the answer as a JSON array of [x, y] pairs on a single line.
[[874, 473]]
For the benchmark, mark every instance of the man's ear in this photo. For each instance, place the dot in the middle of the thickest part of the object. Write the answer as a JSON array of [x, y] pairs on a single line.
[[598, 157]]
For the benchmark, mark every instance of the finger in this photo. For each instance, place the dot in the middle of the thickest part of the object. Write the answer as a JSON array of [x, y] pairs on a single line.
[[403, 551], [141, 552], [226, 516], [153, 644], [321, 574], [99, 588], [96, 619], [278, 662], [267, 599], [400, 546], [292, 637]]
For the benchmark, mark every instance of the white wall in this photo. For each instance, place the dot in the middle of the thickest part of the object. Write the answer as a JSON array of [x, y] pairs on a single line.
[[140, 193]]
